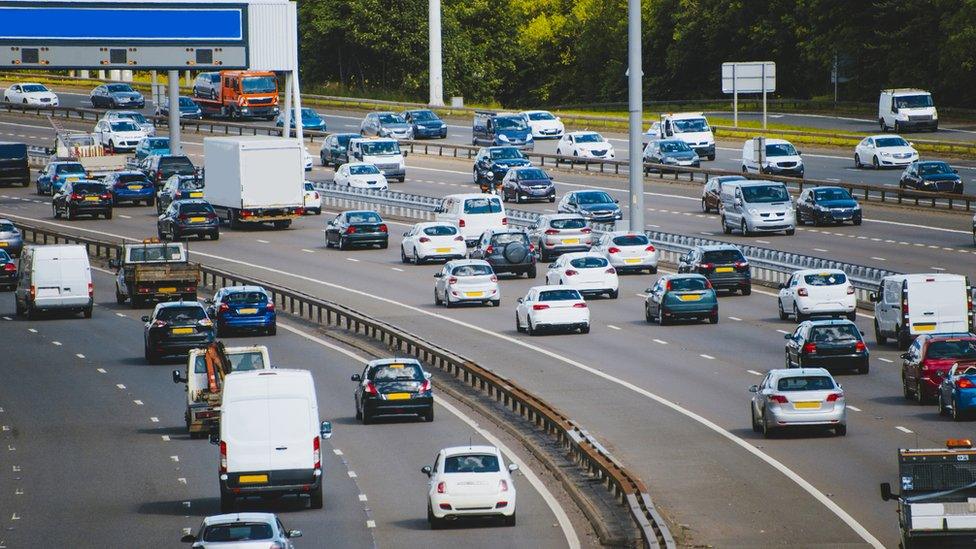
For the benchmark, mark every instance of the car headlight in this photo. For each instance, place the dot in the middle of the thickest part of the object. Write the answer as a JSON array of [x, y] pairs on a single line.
[[753, 211], [695, 158], [528, 137], [502, 137], [669, 160], [884, 154], [935, 114]]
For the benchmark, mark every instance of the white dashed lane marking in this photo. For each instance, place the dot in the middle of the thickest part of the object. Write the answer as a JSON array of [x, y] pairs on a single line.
[[755, 373], [79, 355], [612, 327], [855, 408], [885, 360], [660, 342], [709, 357], [904, 429]]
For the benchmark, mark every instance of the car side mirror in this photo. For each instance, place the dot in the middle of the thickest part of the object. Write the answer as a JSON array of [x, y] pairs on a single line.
[[799, 152], [904, 356], [188, 538], [209, 301], [145, 319], [294, 533], [427, 375], [753, 388], [426, 470], [874, 297], [552, 265], [214, 438], [520, 300], [325, 430], [438, 275], [114, 263], [615, 201], [649, 291], [178, 377], [405, 153], [356, 377], [737, 202], [512, 467], [886, 493], [955, 170]]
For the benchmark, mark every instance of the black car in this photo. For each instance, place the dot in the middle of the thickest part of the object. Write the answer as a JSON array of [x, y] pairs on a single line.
[[357, 228], [931, 176], [8, 271], [595, 206], [335, 149], [526, 183], [508, 251], [179, 187], [174, 328], [827, 205], [14, 168], [193, 217], [82, 198], [393, 387], [159, 168], [712, 191], [830, 344], [130, 186], [425, 123], [723, 265], [496, 161]]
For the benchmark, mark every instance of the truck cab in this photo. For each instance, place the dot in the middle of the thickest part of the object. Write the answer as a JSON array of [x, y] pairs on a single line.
[[238, 94], [496, 129], [937, 502], [154, 271]]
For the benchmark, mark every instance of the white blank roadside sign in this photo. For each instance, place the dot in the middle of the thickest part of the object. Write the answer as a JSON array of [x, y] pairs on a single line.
[[748, 77]]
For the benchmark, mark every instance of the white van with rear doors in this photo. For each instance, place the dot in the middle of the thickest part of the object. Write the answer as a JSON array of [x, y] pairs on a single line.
[[473, 214], [270, 437], [907, 305], [54, 278]]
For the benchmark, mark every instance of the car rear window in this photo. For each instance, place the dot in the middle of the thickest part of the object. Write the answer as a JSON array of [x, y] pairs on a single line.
[[825, 279], [175, 161], [631, 240], [688, 284], [805, 383], [196, 207], [472, 270], [4, 258], [396, 372], [559, 295], [832, 334], [482, 206], [132, 178], [722, 256], [577, 223], [70, 168], [238, 531], [155, 253], [501, 239], [440, 230], [181, 314], [89, 188], [471, 463], [364, 217], [590, 262], [246, 297], [191, 184], [956, 348]]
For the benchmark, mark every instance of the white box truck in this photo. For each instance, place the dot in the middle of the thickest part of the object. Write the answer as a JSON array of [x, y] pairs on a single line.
[[255, 179]]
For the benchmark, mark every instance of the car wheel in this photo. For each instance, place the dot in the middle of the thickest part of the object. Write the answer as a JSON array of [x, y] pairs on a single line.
[[403, 256], [71, 213], [531, 273], [435, 523], [767, 431], [840, 430], [647, 314], [857, 161], [87, 312], [747, 290], [704, 206], [437, 299], [429, 415], [903, 340], [744, 228], [755, 422], [359, 415], [919, 394], [878, 337], [661, 321], [725, 228], [367, 417], [585, 329], [942, 409], [343, 244], [57, 214], [875, 164], [447, 301], [786, 360], [956, 414], [613, 294], [273, 330], [905, 391], [713, 318], [528, 327], [495, 303], [800, 317], [509, 521], [782, 313]]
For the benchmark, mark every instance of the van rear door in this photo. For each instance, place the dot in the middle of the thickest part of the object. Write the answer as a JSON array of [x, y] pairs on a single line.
[[292, 439], [75, 277], [938, 304], [46, 281], [480, 214], [245, 428]]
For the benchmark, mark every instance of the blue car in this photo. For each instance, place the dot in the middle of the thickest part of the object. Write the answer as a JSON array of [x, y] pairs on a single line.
[[243, 308], [130, 186], [56, 174], [681, 297], [957, 393], [426, 124], [310, 120], [152, 145]]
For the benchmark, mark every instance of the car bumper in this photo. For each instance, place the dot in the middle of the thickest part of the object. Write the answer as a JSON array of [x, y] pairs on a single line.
[[836, 362], [899, 162], [197, 228], [471, 506], [406, 407], [730, 282], [282, 481], [561, 319], [474, 294], [837, 216], [690, 310], [138, 104], [831, 308], [536, 194], [392, 173], [634, 263], [778, 417], [8, 277], [500, 266], [180, 346], [565, 248], [203, 418], [429, 133], [247, 322], [81, 208], [63, 304], [457, 250], [918, 124], [252, 111], [132, 196], [366, 239], [965, 399], [547, 134], [772, 226], [794, 171]]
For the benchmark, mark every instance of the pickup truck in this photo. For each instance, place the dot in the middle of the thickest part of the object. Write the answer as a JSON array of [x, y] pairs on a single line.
[[204, 383], [154, 271], [83, 148]]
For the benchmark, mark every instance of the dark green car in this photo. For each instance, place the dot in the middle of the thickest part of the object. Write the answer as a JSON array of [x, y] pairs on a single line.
[[681, 297]]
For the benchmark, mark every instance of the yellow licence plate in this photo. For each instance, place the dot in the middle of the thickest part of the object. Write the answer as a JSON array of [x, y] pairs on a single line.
[[398, 396], [570, 241], [3, 244], [196, 194], [197, 219], [246, 311], [167, 290], [443, 250], [723, 269], [252, 479], [473, 294], [135, 187], [635, 260], [692, 297], [182, 331], [806, 405], [92, 199], [924, 327]]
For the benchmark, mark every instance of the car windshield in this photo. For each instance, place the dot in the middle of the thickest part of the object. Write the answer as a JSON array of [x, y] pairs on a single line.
[[963, 349], [765, 193], [196, 207], [631, 240], [883, 142], [541, 115], [831, 194], [589, 138], [593, 197], [158, 252], [502, 239], [343, 139], [835, 334], [190, 184], [482, 206], [559, 295], [178, 165], [7, 227], [309, 113], [913, 101], [472, 463], [589, 262], [722, 256], [134, 116], [568, 223], [363, 169], [239, 362], [391, 119], [181, 314], [187, 102], [805, 383], [691, 125], [534, 173], [472, 270], [69, 168], [396, 372], [825, 279], [674, 146], [124, 178], [245, 297], [423, 116], [89, 188], [780, 149], [259, 84], [238, 531], [510, 123], [692, 284], [377, 148], [363, 217], [158, 143], [440, 230], [506, 153], [934, 168], [117, 88], [31, 88], [123, 126]]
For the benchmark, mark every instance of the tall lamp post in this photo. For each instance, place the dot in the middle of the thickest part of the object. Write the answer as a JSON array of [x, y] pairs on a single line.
[[635, 112], [436, 75]]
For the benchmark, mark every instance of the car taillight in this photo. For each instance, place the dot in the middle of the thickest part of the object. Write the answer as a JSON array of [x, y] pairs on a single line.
[[834, 397], [316, 453], [802, 292], [539, 307], [571, 272], [223, 457], [778, 398], [611, 270], [350, 230], [650, 248], [223, 308], [460, 223], [183, 217], [33, 292], [211, 216], [860, 346], [707, 266], [580, 305], [91, 290], [708, 284], [965, 383], [106, 196], [442, 487], [9, 267], [586, 230], [494, 278], [371, 389], [270, 306], [810, 348], [425, 386], [459, 238], [423, 239], [904, 307], [452, 280], [75, 196], [740, 264], [504, 221], [552, 231], [531, 248], [159, 324], [613, 250], [489, 250], [383, 228], [502, 485], [850, 290]]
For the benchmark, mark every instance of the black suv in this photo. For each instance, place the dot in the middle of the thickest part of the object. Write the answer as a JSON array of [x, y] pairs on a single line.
[[507, 251], [723, 265], [497, 161], [159, 168]]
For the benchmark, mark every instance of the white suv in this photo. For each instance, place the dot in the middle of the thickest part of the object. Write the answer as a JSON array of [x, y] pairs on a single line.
[[812, 292]]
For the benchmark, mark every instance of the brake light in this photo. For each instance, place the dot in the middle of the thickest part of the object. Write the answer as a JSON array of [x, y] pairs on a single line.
[[460, 223], [850, 290], [778, 398], [965, 383], [707, 266], [459, 238], [571, 272], [371, 389], [316, 453], [834, 397], [611, 270], [802, 292], [270, 306], [223, 457], [300, 210], [860, 346], [9, 267], [904, 307], [211, 216], [246, 213], [504, 221], [223, 308], [667, 286], [159, 324], [452, 280], [350, 230], [489, 250], [106, 196], [740, 264], [183, 217], [91, 290], [531, 248], [75, 196], [810, 348], [33, 292], [425, 386], [502, 485], [539, 307], [579, 305], [423, 239], [586, 230], [442, 487], [613, 250], [552, 231], [650, 248], [383, 228]]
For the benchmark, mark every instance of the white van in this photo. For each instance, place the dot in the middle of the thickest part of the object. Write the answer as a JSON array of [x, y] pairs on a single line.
[[911, 304], [54, 278], [692, 128], [473, 214], [383, 152], [757, 207], [270, 438], [907, 109], [780, 157]]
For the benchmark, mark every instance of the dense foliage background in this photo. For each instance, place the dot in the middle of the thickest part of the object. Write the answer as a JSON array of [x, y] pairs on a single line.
[[546, 52]]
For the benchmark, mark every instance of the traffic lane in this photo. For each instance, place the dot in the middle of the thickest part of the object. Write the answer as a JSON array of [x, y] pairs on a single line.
[[849, 124]]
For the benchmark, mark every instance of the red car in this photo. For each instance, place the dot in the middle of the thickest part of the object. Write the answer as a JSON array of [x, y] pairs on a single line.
[[929, 359]]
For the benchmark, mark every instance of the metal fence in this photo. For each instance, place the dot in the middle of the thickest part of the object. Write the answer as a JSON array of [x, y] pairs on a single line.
[[597, 463]]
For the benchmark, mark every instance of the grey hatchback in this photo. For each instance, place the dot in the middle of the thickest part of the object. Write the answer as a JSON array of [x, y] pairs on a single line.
[[507, 251]]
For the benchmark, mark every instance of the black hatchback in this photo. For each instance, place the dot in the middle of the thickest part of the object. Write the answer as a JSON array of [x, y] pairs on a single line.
[[508, 251], [723, 265], [174, 328], [84, 197], [357, 228], [830, 344], [185, 218], [393, 387]]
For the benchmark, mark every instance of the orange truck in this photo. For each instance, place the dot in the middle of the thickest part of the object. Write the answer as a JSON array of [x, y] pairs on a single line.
[[237, 94]]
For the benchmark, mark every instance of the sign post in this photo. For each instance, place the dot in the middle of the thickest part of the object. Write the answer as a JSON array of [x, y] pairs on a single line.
[[748, 77]]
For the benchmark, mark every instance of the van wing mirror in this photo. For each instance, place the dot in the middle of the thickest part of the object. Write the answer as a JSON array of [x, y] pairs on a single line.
[[325, 430], [426, 470], [145, 319], [886, 493], [904, 356], [873, 297], [294, 533], [356, 377], [753, 388], [512, 467]]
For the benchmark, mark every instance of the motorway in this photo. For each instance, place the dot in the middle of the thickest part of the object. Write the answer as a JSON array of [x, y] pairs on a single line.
[[631, 384], [95, 453]]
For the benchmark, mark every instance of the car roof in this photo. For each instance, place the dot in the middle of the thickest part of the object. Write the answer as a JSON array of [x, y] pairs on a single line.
[[553, 287], [756, 183], [800, 372], [361, 211], [462, 262], [684, 275], [589, 191], [423, 224], [465, 196], [724, 178], [245, 288], [180, 303], [670, 140], [394, 360], [534, 111], [239, 517], [943, 337], [771, 141], [576, 255], [624, 233], [584, 132], [718, 247], [455, 450], [881, 135], [564, 216], [27, 84], [818, 271], [129, 172], [831, 187], [831, 322]]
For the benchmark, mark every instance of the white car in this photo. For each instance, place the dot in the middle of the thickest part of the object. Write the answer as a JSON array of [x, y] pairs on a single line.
[[588, 272], [432, 240], [813, 292], [242, 530], [307, 159], [312, 199], [544, 124], [884, 151], [628, 251], [466, 281], [360, 175], [470, 481], [30, 93], [552, 308], [118, 135], [585, 145], [136, 118]]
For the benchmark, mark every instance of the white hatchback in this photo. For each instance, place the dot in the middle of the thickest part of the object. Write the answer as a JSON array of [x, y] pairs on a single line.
[[585, 145], [884, 151], [551, 308], [469, 482], [813, 292], [544, 124], [360, 175], [628, 251], [588, 272], [312, 199], [430, 241], [466, 281]]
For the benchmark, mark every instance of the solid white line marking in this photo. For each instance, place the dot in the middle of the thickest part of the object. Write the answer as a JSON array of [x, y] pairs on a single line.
[[709, 357], [755, 373], [263, 241], [937, 268], [762, 241], [120, 315], [879, 259], [904, 429], [306, 250], [397, 269], [882, 359], [660, 341], [820, 250], [7, 318], [154, 419], [79, 355], [123, 216], [100, 370], [138, 403], [612, 327], [352, 474], [855, 408], [735, 318], [352, 259]]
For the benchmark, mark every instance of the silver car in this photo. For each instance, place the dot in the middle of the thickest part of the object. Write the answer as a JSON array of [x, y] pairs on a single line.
[[136, 118], [628, 251], [240, 530], [466, 281], [556, 234], [386, 124], [798, 397]]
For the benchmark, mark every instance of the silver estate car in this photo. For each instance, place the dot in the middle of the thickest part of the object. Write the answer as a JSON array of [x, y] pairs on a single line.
[[798, 397], [241, 530]]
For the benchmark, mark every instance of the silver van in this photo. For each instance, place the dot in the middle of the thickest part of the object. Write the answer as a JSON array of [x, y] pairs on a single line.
[[54, 278], [757, 207]]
